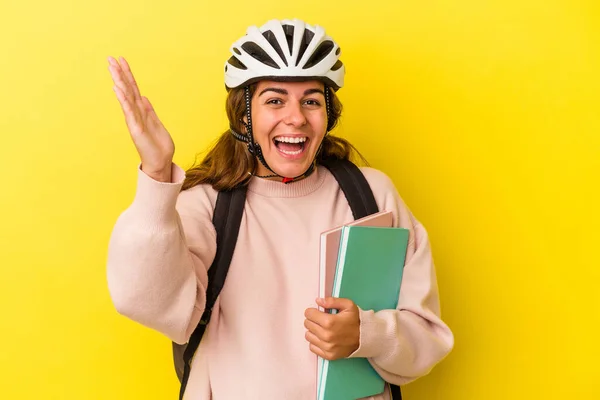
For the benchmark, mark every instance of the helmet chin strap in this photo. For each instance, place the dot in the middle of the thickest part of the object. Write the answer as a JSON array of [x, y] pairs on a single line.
[[255, 150]]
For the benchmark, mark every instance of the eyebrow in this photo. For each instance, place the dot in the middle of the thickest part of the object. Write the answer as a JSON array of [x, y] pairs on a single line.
[[285, 92]]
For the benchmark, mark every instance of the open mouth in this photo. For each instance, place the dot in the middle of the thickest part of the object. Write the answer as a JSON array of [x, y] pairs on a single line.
[[291, 145]]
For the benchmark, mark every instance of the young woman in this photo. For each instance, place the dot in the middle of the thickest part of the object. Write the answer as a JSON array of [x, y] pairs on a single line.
[[265, 328]]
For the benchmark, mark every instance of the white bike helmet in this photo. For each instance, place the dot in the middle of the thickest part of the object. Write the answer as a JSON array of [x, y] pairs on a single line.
[[287, 50]]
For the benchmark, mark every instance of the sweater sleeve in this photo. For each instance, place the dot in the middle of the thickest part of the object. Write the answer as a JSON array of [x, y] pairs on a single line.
[[158, 255], [406, 343]]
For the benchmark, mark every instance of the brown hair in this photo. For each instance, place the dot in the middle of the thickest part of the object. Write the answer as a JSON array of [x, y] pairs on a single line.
[[228, 163]]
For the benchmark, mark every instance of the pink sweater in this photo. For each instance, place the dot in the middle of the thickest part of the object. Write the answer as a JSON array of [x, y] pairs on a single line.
[[254, 347]]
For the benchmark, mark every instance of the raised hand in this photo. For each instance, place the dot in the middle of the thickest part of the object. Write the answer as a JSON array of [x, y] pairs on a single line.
[[152, 141]]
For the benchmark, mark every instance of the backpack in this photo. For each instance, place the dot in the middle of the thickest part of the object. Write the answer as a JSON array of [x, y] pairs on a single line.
[[227, 218]]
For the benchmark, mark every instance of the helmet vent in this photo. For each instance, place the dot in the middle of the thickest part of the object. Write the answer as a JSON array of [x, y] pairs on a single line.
[[236, 63], [308, 36], [289, 36], [319, 54], [259, 54], [338, 64], [270, 36]]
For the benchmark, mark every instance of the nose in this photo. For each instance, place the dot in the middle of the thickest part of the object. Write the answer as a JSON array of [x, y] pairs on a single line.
[[294, 115]]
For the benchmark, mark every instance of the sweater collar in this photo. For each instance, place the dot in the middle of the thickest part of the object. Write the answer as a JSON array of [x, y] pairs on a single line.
[[303, 187]]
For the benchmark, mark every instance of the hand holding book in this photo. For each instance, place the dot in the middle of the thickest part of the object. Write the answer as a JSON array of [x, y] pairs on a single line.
[[333, 336]]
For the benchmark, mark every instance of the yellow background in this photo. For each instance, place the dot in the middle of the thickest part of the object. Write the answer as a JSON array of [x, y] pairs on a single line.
[[485, 114]]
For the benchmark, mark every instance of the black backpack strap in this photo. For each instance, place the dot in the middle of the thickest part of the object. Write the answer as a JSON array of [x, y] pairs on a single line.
[[227, 218], [396, 393], [354, 185], [362, 202]]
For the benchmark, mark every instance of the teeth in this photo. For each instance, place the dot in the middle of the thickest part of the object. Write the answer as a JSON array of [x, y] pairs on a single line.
[[291, 153], [291, 139]]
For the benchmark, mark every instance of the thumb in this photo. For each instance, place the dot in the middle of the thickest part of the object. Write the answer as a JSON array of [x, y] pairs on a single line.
[[149, 109], [337, 303], [147, 104]]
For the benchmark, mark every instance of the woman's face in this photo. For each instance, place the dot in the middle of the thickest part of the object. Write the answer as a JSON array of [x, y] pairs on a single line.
[[289, 121]]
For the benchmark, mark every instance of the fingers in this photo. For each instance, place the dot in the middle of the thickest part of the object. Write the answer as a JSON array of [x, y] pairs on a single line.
[[332, 336], [336, 303], [316, 350], [320, 348], [130, 78], [130, 116], [121, 80], [318, 331], [117, 74], [117, 77], [323, 319], [132, 107], [315, 341]]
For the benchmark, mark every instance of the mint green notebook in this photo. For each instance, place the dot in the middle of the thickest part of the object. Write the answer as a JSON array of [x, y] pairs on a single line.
[[369, 272]]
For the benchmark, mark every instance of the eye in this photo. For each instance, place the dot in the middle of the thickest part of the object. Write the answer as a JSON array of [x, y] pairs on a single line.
[[274, 102], [312, 103]]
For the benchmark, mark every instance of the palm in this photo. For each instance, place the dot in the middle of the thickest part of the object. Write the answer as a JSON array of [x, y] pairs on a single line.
[[152, 141]]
